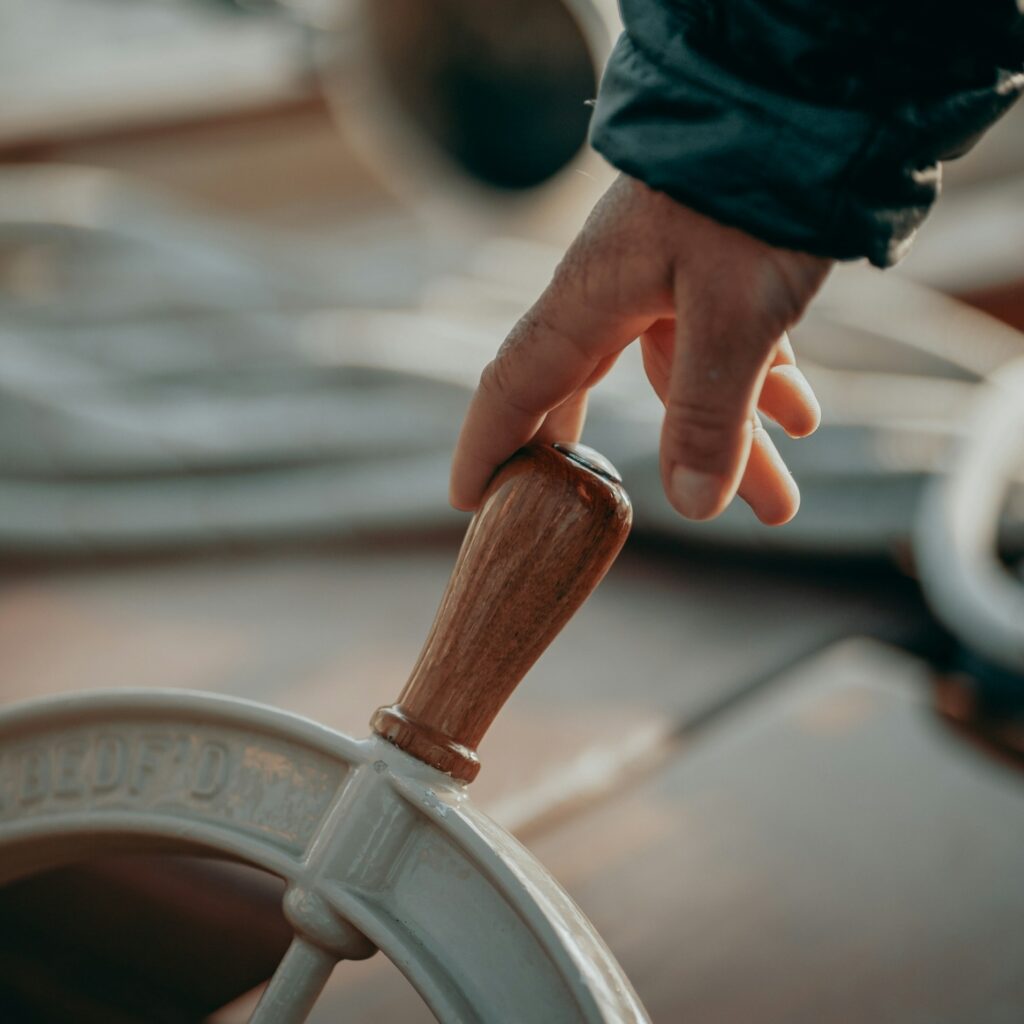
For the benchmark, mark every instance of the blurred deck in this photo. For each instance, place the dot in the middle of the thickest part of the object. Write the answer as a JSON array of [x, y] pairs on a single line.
[[825, 853], [808, 844]]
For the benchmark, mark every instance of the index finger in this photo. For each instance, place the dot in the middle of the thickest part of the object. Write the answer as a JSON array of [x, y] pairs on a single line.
[[550, 354]]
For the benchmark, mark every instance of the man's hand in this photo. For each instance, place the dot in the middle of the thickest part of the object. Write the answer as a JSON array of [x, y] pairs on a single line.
[[710, 305]]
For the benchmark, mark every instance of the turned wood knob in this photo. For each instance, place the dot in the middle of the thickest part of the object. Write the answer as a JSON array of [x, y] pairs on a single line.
[[552, 521]]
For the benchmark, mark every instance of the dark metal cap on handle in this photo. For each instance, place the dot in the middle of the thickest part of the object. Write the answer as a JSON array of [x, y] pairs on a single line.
[[551, 524], [588, 459]]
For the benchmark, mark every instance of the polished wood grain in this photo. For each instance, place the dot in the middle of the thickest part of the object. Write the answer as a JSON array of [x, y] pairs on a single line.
[[550, 526]]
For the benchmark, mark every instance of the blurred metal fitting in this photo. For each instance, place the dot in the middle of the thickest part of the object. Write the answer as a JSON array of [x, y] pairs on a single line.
[[475, 112], [978, 597]]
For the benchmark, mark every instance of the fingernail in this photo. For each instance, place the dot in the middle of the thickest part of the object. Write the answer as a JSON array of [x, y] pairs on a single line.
[[695, 494]]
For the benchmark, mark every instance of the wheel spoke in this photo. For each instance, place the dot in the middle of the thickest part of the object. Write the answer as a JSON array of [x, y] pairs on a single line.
[[297, 983]]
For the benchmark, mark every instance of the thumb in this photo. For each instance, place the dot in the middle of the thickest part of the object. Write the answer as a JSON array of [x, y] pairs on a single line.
[[718, 369]]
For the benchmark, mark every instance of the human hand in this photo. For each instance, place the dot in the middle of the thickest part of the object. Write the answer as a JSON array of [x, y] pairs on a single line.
[[710, 305]]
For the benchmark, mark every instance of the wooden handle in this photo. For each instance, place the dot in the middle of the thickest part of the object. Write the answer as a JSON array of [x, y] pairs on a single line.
[[552, 521]]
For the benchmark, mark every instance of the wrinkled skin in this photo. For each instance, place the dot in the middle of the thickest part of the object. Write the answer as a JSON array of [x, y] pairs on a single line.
[[710, 305]]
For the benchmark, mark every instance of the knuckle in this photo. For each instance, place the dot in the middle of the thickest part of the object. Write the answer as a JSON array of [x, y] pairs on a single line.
[[590, 276], [542, 322], [697, 434], [791, 282], [616, 267], [496, 384], [494, 380]]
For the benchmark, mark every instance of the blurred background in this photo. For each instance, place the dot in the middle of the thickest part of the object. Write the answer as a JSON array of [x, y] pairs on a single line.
[[253, 256]]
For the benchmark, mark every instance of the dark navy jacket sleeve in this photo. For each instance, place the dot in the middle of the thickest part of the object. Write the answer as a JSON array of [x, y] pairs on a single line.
[[818, 125]]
